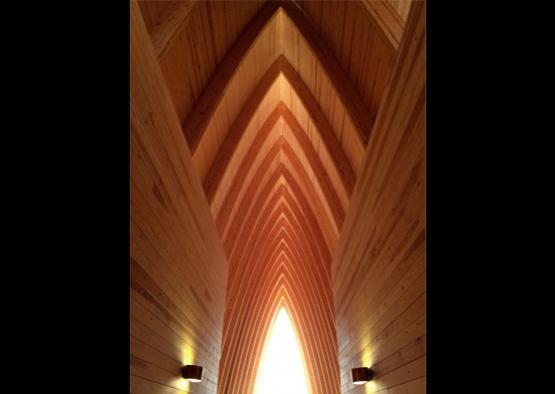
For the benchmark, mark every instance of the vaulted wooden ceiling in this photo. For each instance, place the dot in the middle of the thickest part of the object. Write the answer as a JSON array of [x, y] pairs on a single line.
[[245, 76], [277, 101]]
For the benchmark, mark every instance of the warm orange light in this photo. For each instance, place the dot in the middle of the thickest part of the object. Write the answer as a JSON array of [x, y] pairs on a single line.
[[282, 368]]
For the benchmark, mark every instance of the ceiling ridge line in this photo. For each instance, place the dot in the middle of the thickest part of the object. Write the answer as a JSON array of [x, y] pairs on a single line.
[[322, 177], [246, 212], [200, 116], [281, 66]]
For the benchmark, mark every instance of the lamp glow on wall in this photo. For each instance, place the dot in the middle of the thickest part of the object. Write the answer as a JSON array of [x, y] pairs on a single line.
[[362, 375], [193, 373]]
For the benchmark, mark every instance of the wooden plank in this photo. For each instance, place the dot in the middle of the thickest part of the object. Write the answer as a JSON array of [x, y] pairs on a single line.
[[349, 96], [219, 167], [196, 122], [322, 177], [359, 49], [225, 153], [221, 86], [178, 266], [245, 338], [322, 125], [379, 263]]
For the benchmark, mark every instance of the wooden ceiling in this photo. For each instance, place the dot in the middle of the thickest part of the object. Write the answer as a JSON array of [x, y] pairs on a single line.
[[277, 101]]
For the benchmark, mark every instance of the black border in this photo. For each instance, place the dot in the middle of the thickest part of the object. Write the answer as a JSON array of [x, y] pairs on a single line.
[[70, 75]]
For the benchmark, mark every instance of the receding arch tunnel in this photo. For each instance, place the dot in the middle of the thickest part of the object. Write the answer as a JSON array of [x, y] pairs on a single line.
[[277, 164]]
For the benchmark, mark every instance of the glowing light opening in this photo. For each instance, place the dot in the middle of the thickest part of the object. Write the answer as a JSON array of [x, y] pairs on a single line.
[[282, 369]]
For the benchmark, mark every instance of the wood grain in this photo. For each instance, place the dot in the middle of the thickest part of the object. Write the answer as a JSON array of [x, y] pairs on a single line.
[[277, 160], [378, 266], [219, 101], [178, 268], [359, 44]]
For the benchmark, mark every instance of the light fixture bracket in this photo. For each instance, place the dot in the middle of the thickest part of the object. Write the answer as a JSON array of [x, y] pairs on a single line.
[[193, 373], [362, 375]]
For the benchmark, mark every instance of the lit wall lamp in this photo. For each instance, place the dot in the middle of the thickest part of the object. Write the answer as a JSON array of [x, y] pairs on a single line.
[[193, 373], [362, 375]]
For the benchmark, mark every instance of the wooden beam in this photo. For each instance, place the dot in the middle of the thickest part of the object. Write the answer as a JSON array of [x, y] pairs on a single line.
[[200, 116], [236, 131], [322, 125], [316, 165], [347, 93], [248, 212], [281, 65], [230, 236], [279, 240], [244, 168]]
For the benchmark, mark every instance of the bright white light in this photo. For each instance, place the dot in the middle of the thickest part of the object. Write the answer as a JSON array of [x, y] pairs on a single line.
[[282, 369]]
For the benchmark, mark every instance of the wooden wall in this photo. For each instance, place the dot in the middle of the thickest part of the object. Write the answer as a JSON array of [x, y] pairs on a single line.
[[178, 266], [378, 267]]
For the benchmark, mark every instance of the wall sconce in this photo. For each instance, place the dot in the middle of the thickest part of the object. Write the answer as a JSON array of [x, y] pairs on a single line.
[[193, 373], [362, 375]]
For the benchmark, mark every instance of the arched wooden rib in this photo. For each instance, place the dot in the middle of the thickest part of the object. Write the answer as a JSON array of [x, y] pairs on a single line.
[[267, 244], [320, 353], [196, 122], [236, 131], [232, 234], [281, 65], [248, 211], [348, 95], [330, 233], [322, 366], [301, 210], [244, 168], [259, 283], [200, 116], [316, 164], [231, 384], [310, 222], [264, 236], [314, 236], [198, 119], [322, 125], [267, 236], [268, 202], [317, 167]]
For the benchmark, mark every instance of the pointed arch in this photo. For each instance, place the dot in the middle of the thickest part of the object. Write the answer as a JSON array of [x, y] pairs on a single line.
[[277, 143], [339, 160], [282, 328]]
